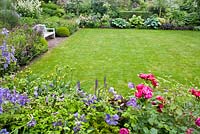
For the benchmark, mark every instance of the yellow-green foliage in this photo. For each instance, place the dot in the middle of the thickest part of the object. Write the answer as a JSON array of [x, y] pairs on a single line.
[[62, 32]]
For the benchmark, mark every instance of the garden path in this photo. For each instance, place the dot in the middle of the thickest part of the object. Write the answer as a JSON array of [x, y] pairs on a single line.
[[54, 42]]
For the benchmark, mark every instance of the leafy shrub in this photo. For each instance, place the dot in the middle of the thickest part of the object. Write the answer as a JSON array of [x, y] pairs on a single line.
[[197, 28], [28, 21], [62, 32], [119, 23], [129, 14], [105, 21], [52, 9], [28, 8], [27, 44], [152, 22], [60, 22], [73, 6], [192, 19], [9, 17], [52, 104], [136, 21]]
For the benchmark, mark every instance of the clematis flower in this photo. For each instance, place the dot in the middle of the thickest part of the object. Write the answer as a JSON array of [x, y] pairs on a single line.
[[124, 131], [132, 102], [112, 120]]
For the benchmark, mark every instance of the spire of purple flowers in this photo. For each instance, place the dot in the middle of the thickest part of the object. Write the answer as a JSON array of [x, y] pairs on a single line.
[[112, 120]]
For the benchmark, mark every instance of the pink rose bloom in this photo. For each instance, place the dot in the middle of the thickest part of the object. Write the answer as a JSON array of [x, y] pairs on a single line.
[[154, 83], [123, 131], [197, 121], [151, 77], [140, 87], [189, 131], [143, 76], [138, 94], [148, 96]]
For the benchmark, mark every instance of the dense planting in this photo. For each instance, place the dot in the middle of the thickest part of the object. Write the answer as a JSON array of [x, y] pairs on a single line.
[[52, 104]]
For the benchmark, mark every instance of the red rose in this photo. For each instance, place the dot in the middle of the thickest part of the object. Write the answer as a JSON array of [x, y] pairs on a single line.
[[197, 121], [123, 131], [160, 98]]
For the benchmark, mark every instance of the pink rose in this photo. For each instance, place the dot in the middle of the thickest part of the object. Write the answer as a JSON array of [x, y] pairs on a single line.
[[123, 131], [189, 131], [197, 121], [140, 87], [138, 94], [143, 76], [154, 83]]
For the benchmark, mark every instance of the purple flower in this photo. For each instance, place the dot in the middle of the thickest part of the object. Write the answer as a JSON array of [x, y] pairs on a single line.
[[90, 99], [76, 115], [59, 123], [112, 90], [132, 102], [1, 109], [4, 131], [117, 97], [5, 31], [112, 120], [32, 123], [131, 85]]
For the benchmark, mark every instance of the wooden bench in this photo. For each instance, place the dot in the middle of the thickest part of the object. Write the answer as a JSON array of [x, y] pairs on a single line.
[[46, 32]]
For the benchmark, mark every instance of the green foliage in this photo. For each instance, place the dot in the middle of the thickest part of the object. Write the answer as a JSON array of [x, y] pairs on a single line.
[[152, 22], [119, 23], [62, 32], [98, 6], [60, 22], [52, 9], [8, 16], [58, 107], [73, 6], [136, 21], [129, 14], [27, 44], [28, 21]]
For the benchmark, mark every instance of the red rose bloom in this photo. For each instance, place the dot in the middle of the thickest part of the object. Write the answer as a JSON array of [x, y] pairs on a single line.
[[197, 121]]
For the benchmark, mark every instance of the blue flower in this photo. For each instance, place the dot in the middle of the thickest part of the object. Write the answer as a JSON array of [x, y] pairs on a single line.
[[112, 120], [4, 131]]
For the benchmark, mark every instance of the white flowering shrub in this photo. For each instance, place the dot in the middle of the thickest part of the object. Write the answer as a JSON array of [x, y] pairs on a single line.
[[28, 8]]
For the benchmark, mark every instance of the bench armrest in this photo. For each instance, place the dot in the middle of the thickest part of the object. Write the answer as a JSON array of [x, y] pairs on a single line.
[[50, 29]]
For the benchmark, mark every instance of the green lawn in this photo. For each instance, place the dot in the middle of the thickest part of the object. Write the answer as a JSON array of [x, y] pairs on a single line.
[[122, 54]]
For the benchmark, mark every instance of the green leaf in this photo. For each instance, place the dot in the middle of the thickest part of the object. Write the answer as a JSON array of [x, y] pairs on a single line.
[[154, 131]]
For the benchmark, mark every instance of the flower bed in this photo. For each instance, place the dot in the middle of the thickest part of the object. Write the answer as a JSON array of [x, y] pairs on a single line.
[[53, 104]]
